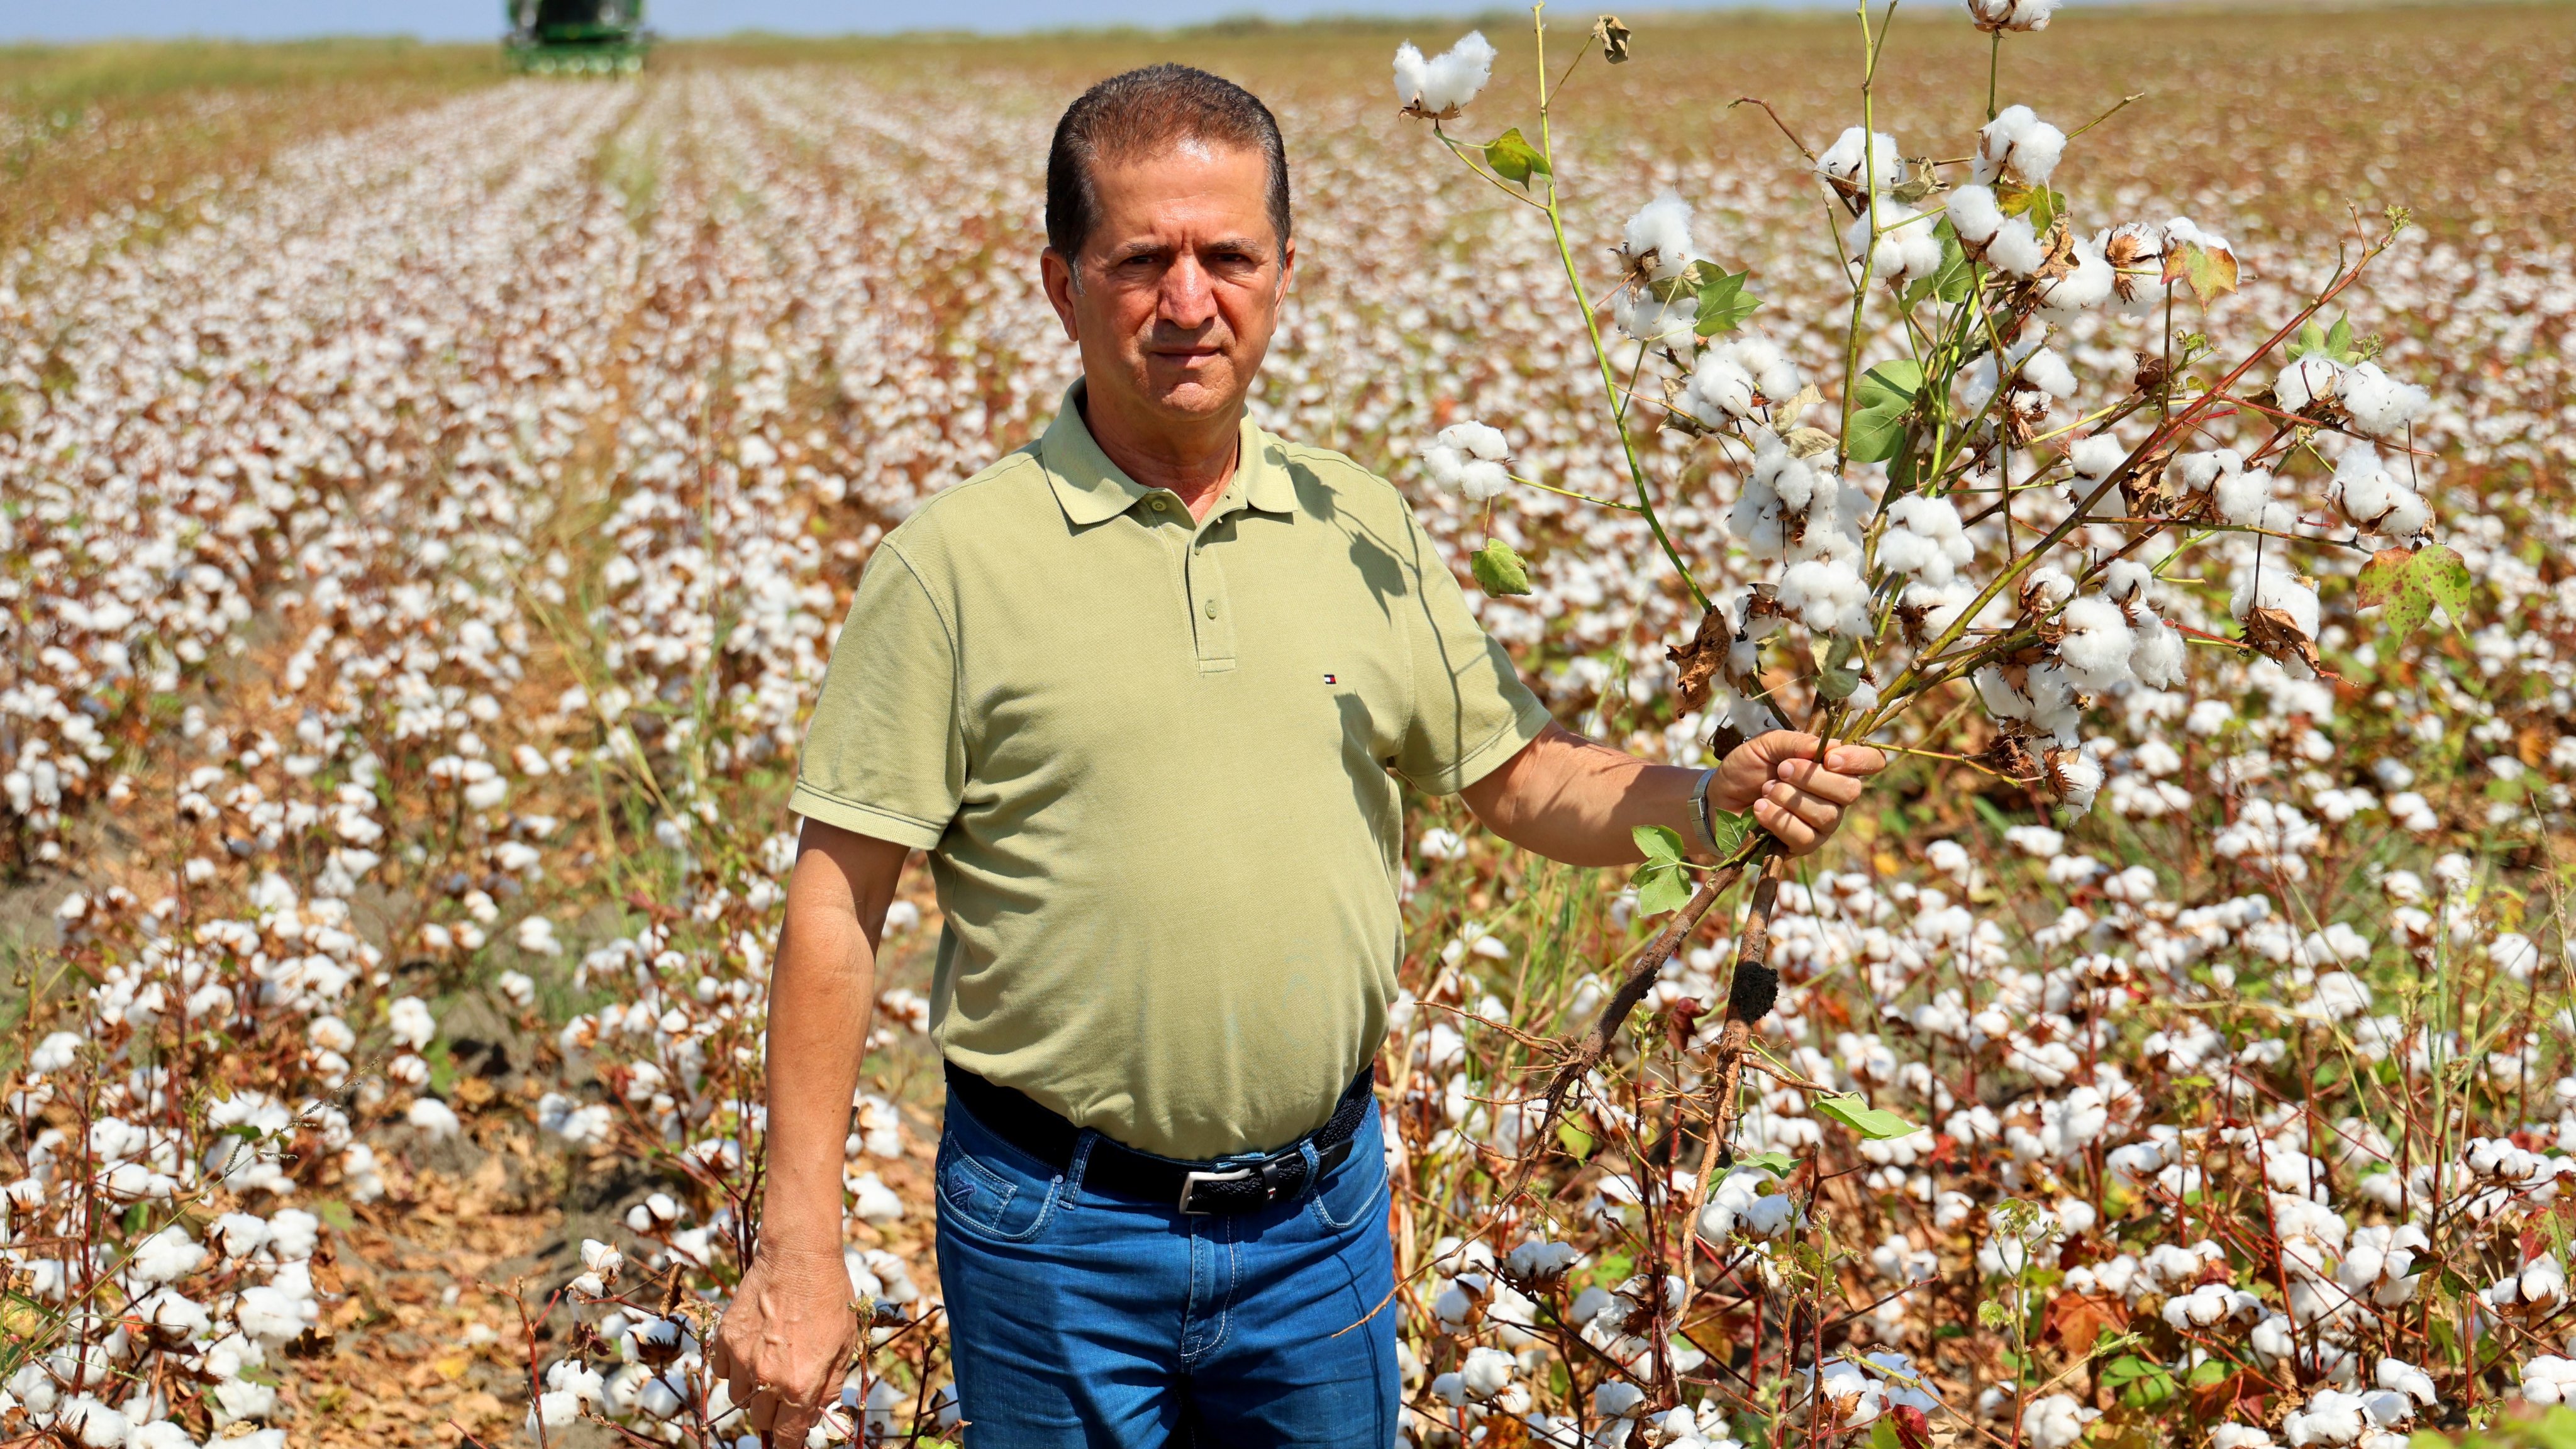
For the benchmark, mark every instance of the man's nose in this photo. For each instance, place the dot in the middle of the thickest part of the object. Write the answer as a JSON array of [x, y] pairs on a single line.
[[1189, 298]]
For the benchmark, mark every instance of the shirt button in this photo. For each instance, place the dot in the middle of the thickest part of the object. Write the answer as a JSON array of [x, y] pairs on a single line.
[[1211, 608], [1158, 505]]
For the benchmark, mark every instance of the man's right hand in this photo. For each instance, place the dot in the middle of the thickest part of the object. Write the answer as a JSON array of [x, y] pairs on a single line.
[[785, 1341]]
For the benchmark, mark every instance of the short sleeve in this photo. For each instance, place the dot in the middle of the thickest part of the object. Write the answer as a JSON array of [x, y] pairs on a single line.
[[884, 755], [1471, 712]]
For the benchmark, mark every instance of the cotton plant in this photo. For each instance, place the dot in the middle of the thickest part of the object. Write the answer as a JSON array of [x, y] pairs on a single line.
[[1954, 545]]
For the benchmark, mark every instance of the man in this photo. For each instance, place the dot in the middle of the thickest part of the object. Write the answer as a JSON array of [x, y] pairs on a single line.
[[1142, 691]]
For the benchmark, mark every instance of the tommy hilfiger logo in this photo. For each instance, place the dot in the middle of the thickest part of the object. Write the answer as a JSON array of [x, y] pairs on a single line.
[[1330, 679]]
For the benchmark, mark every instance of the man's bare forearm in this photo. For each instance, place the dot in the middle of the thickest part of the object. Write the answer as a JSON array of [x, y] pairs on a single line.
[[1573, 800], [820, 995]]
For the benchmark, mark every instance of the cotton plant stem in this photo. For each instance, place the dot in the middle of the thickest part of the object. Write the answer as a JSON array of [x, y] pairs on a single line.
[[1592, 327], [1593, 1047]]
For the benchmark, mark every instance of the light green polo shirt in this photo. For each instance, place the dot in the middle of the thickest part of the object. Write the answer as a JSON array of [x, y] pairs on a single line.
[[1154, 765]]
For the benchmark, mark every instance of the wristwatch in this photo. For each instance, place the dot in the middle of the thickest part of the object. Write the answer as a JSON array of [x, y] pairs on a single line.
[[1701, 836]]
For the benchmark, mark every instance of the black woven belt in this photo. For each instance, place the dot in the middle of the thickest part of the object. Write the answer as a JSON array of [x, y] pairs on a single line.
[[1193, 1187]]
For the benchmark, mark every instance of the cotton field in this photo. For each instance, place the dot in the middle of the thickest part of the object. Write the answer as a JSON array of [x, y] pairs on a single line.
[[422, 541]]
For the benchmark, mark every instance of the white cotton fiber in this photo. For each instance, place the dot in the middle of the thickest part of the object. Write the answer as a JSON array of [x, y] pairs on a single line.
[[1659, 237], [2243, 498], [2095, 648], [2049, 373], [2307, 380], [2156, 653], [1880, 168], [2017, 145], [1974, 214], [2373, 498], [2274, 588], [2016, 248], [2096, 456], [1441, 85], [2089, 285], [2378, 404]]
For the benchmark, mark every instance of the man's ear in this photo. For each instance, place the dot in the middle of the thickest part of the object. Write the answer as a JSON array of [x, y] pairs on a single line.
[[1287, 270], [1056, 274]]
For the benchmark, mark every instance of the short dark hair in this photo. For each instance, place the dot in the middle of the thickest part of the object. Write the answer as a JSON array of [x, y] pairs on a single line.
[[1143, 111]]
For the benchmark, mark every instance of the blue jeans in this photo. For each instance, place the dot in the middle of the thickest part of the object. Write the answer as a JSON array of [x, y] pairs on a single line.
[[1084, 1319]]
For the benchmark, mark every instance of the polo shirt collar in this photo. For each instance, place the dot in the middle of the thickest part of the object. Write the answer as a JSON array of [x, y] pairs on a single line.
[[1092, 489]]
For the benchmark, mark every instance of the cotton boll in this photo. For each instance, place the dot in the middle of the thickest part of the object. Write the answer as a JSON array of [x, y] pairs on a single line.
[[2018, 146], [434, 1117], [2157, 655], [1438, 87], [2076, 776], [2096, 646], [1467, 459], [1659, 238], [1879, 168], [2197, 471], [2274, 588], [269, 1315], [2089, 285], [2056, 1421], [2373, 498], [2000, 698], [2126, 581], [1719, 391], [2378, 404], [2016, 248], [2243, 499], [2000, 15], [1905, 248], [1642, 317], [2048, 372], [166, 1256], [2306, 381], [1827, 595], [1975, 216], [1486, 1372], [2096, 457]]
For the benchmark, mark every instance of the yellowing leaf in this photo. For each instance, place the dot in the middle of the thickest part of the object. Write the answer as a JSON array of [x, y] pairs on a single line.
[[1514, 159]]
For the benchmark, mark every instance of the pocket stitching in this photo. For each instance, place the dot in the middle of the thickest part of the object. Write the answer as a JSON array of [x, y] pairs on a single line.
[[1315, 1200], [1008, 1191]]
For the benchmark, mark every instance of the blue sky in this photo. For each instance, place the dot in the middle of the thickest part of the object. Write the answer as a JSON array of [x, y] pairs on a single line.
[[481, 19]]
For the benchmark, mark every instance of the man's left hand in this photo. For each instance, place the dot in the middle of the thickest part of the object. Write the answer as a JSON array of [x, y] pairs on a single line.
[[1792, 794]]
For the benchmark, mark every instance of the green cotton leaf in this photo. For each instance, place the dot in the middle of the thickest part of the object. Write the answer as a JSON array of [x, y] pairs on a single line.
[[1778, 1164], [1499, 571], [1838, 684], [1881, 403], [1876, 1123], [1957, 278], [2339, 342], [1723, 303], [2040, 204], [2444, 575], [1729, 831], [1661, 888], [1882, 1435], [1574, 1139], [1662, 846], [2310, 338], [2405, 584], [1514, 159]]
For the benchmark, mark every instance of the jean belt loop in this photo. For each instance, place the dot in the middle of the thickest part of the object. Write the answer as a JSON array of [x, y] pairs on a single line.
[[1314, 1162], [1082, 1144]]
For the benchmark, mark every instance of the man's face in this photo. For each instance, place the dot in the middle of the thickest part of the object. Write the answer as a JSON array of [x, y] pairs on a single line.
[[1180, 283]]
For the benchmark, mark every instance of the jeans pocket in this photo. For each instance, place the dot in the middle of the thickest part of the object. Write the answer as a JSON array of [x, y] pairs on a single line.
[[992, 1198], [1355, 1189]]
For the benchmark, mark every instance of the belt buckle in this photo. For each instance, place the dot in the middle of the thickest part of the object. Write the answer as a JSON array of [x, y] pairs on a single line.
[[1190, 1182]]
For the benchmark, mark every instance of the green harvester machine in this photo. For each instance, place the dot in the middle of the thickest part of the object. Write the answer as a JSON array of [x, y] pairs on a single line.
[[576, 37]]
